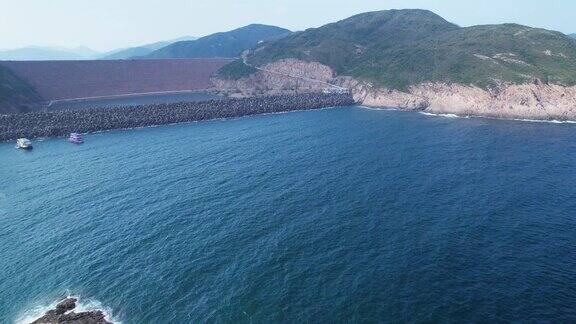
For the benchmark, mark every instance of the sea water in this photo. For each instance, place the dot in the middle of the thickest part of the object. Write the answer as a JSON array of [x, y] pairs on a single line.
[[338, 215]]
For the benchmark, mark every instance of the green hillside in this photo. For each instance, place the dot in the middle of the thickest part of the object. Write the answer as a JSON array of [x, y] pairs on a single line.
[[226, 44], [15, 95], [140, 51], [398, 48]]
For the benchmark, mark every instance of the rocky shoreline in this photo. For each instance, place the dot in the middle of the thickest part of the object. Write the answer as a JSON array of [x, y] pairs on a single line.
[[63, 313], [62, 123], [536, 100]]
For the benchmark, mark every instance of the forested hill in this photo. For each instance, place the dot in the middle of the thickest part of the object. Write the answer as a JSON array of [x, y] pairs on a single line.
[[399, 48], [223, 45]]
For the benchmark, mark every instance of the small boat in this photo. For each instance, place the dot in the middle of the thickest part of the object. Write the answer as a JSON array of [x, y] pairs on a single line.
[[24, 144], [76, 138]]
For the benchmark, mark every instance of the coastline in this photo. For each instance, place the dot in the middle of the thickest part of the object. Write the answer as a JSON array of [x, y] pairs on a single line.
[[449, 115], [533, 100]]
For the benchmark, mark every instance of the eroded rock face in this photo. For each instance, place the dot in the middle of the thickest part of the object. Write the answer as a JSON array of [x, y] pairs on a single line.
[[534, 100], [525, 101], [63, 313], [282, 77]]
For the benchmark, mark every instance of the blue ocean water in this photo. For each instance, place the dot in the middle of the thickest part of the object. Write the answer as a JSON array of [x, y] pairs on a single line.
[[337, 215]]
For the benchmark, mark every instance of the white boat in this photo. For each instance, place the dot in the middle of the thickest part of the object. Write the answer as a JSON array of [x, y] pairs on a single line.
[[24, 144]]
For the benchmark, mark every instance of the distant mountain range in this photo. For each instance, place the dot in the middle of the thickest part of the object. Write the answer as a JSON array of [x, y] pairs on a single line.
[[39, 53], [224, 45]]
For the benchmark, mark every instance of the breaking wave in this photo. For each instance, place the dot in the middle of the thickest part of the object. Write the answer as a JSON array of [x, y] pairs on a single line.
[[443, 115], [448, 115], [550, 121]]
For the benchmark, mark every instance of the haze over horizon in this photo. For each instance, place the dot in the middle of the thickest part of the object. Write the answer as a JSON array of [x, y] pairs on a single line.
[[108, 24]]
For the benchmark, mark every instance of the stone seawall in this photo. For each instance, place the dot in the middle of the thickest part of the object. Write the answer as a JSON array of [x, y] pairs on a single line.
[[61, 123]]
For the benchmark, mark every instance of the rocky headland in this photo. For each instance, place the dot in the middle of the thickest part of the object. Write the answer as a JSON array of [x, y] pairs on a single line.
[[416, 60], [64, 313], [532, 100]]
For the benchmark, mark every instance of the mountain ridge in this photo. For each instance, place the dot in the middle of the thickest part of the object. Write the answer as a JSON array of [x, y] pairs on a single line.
[[143, 50], [224, 44], [399, 48], [40, 53]]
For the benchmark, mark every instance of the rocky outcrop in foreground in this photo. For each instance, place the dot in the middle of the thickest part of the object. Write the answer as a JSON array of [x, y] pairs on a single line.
[[62, 123], [63, 313]]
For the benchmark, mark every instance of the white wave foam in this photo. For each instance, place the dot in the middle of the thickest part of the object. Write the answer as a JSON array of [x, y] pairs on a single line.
[[443, 115], [447, 115], [382, 108], [34, 313], [82, 305], [552, 121]]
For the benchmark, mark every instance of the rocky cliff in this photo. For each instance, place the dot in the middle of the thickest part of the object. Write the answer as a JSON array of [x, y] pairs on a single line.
[[534, 100], [525, 101]]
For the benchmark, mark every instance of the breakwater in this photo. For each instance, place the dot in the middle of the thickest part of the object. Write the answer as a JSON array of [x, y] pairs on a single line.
[[61, 123]]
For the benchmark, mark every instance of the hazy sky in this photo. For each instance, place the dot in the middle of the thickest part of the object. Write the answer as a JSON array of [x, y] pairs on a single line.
[[109, 24]]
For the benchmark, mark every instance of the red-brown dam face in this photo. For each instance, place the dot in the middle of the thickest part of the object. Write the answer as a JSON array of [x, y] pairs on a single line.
[[56, 80]]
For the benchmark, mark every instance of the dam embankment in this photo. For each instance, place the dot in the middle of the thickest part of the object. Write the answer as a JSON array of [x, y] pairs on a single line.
[[61, 123], [58, 80]]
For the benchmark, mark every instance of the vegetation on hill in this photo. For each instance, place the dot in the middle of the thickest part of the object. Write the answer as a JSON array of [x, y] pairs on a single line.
[[15, 95], [222, 45], [399, 48], [235, 70]]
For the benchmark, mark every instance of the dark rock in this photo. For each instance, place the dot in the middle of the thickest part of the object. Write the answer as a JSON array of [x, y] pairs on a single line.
[[61, 314], [66, 305], [62, 123]]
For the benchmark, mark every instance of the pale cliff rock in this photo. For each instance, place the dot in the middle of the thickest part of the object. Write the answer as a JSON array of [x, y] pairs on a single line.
[[534, 100], [524, 101], [282, 77]]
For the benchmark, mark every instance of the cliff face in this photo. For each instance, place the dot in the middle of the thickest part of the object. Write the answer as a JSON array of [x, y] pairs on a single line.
[[525, 101], [282, 77], [534, 100]]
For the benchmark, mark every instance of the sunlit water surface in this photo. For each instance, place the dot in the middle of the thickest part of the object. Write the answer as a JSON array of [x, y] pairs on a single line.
[[337, 215]]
